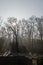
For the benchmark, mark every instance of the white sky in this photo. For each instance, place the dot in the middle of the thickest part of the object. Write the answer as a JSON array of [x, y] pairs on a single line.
[[21, 8]]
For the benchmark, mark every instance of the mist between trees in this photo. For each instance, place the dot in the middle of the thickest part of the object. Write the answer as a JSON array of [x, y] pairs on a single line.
[[25, 35]]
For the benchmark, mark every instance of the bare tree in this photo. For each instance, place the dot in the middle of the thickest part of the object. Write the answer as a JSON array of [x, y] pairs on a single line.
[[12, 24], [40, 27]]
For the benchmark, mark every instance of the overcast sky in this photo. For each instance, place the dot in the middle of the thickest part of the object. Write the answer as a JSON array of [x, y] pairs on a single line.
[[21, 8]]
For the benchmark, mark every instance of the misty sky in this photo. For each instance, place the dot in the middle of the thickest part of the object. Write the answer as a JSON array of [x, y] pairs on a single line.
[[21, 8]]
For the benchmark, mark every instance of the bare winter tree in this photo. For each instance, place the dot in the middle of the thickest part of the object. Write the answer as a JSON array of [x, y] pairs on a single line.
[[12, 24], [40, 27]]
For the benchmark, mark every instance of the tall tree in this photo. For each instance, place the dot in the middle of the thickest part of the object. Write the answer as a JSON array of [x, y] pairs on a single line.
[[40, 27], [12, 24]]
